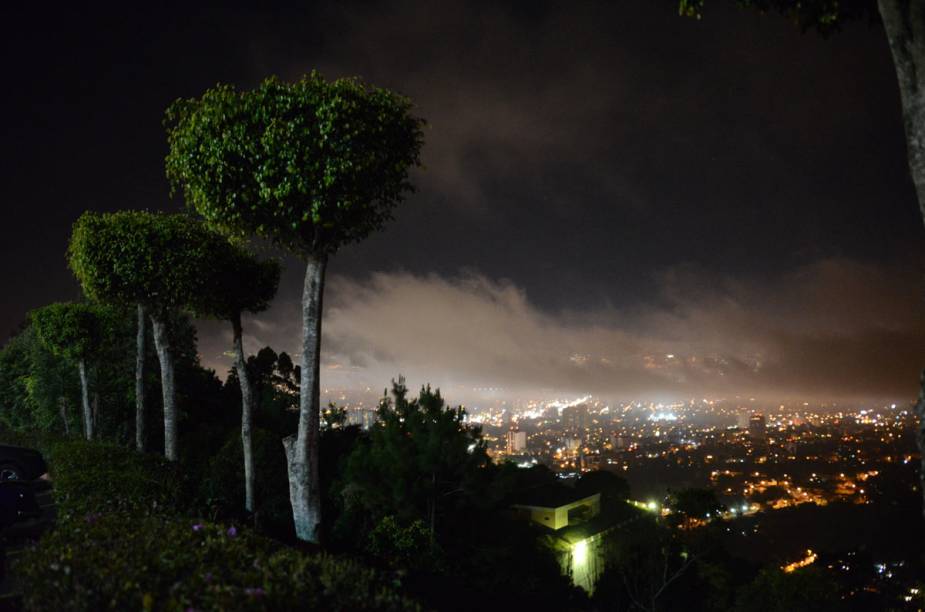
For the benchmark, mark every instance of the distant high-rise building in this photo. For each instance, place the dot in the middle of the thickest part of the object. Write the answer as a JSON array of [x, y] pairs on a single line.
[[742, 420], [516, 442], [620, 442], [757, 427], [364, 417], [576, 417]]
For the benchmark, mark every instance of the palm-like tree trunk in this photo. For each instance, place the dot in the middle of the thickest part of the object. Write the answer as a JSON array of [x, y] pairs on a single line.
[[302, 449], [165, 356], [85, 400], [247, 412], [904, 21], [62, 404]]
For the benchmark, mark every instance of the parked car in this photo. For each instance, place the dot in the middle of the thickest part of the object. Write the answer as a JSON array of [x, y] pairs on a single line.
[[17, 463]]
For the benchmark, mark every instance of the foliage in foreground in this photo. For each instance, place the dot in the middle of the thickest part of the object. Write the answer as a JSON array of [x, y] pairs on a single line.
[[93, 478], [122, 561], [125, 540]]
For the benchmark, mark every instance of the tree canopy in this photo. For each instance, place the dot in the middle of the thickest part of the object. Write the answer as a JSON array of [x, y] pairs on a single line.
[[69, 329], [234, 281], [310, 165], [420, 455], [129, 257]]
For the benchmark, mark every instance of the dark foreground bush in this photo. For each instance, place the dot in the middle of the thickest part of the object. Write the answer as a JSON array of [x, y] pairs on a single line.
[[102, 477], [96, 477], [222, 485], [122, 562]]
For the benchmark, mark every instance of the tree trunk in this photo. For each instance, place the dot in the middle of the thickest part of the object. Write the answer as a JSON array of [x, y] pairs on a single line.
[[63, 408], [85, 400], [140, 382], [165, 356], [904, 22], [920, 438], [247, 411], [302, 449]]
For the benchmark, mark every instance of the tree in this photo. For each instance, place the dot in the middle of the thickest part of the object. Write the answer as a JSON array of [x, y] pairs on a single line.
[[420, 456], [153, 261], [642, 568], [692, 506], [237, 282], [809, 589], [334, 416], [35, 386], [73, 331], [614, 489], [311, 166]]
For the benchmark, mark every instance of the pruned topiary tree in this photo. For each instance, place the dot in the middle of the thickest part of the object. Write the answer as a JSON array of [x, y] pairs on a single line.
[[236, 282], [311, 165], [74, 331], [153, 261]]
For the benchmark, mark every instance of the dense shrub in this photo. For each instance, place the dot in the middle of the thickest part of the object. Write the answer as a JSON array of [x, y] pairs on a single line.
[[101, 477], [403, 547], [810, 589], [156, 562], [95, 477], [222, 485]]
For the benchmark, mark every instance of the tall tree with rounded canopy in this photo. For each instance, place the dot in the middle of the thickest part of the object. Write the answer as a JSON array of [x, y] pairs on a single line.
[[238, 282], [904, 23], [151, 260], [311, 165], [73, 331]]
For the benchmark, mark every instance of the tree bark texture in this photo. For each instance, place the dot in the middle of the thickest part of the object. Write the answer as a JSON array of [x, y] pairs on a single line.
[[165, 356], [63, 407], [302, 449], [904, 22], [85, 400], [140, 381], [247, 412]]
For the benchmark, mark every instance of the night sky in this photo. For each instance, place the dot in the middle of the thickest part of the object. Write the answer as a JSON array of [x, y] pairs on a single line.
[[606, 184]]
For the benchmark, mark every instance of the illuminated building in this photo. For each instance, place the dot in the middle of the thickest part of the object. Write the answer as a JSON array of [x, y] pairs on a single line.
[[557, 507], [576, 417], [757, 427], [576, 526], [516, 442]]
